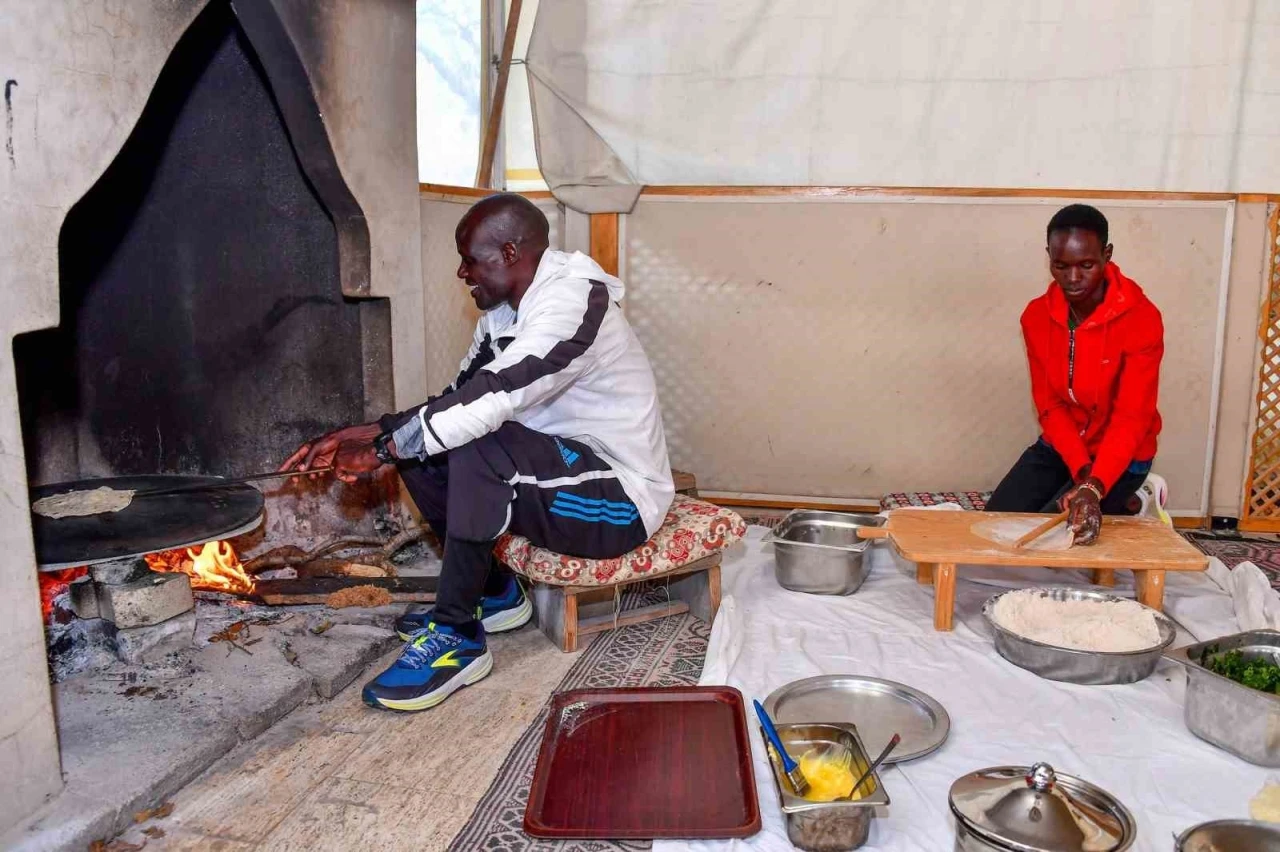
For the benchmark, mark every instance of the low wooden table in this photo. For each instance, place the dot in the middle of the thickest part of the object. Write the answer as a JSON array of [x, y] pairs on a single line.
[[938, 541]]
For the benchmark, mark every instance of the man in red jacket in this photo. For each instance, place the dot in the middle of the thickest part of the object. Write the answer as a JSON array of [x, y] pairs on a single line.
[[1094, 344]]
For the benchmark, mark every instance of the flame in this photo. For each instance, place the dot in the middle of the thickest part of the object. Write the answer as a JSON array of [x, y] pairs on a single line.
[[54, 583], [215, 567]]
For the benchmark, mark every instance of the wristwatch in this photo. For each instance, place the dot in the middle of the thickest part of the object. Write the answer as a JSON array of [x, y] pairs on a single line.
[[381, 450]]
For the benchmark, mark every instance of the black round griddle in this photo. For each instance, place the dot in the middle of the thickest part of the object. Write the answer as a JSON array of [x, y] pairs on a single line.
[[146, 525]]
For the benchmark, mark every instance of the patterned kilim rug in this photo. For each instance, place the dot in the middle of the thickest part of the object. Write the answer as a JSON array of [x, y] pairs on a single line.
[[1232, 549], [667, 652]]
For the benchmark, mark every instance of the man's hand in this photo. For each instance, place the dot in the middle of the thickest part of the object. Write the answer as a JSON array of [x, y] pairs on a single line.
[[349, 451], [1083, 505]]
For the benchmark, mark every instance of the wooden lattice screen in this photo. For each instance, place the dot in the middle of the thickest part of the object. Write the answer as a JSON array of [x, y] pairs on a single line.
[[1262, 490]]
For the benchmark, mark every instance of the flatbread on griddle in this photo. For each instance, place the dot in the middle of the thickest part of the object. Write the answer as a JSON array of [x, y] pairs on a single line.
[[76, 504]]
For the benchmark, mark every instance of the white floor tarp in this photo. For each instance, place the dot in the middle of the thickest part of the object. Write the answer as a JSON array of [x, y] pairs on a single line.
[[1130, 740]]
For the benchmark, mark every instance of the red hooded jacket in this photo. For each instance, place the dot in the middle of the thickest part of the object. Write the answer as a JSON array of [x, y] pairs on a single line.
[[1099, 406]]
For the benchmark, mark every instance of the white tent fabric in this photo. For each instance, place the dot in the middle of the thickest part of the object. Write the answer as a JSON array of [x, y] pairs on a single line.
[[1100, 94], [1130, 740]]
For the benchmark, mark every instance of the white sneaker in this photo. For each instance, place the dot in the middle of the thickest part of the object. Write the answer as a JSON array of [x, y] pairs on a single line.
[[1154, 494]]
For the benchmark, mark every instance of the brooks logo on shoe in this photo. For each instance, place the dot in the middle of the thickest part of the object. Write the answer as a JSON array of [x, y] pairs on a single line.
[[447, 660]]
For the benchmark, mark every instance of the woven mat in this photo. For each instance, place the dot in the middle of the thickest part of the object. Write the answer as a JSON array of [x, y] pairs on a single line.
[[1233, 548], [968, 500], [666, 652]]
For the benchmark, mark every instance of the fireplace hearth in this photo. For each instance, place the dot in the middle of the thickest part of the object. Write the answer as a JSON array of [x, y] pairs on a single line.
[[204, 331], [222, 295]]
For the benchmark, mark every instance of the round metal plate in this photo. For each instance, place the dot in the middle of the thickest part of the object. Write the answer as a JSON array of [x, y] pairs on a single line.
[[878, 708], [146, 525]]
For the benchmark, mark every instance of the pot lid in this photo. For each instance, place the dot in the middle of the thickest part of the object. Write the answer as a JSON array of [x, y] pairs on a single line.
[[1036, 810]]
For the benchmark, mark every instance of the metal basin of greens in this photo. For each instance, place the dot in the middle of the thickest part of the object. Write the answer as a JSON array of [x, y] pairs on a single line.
[[1227, 703]]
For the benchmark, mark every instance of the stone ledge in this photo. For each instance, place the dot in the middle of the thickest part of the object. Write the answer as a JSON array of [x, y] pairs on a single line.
[[132, 737]]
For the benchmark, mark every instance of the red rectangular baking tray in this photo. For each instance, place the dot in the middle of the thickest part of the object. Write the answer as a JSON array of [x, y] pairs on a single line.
[[643, 763]]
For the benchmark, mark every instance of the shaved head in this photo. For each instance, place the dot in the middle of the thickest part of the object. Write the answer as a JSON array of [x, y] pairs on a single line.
[[507, 218], [501, 240]]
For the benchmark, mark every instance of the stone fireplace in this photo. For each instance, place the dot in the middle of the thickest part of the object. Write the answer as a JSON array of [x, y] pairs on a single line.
[[211, 243]]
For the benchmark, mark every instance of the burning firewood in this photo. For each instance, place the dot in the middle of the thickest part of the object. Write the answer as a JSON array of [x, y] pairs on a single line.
[[215, 567]]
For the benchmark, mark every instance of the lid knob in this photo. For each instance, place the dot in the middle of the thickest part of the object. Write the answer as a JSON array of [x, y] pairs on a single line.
[[1041, 778]]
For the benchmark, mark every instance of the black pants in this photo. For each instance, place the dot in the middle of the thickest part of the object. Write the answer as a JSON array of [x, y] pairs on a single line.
[[1040, 477], [553, 491]]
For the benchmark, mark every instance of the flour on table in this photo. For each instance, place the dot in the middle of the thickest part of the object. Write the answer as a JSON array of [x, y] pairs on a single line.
[[75, 504], [1008, 530]]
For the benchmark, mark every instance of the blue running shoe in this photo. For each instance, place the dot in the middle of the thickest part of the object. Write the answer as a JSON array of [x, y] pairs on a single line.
[[498, 614], [436, 663]]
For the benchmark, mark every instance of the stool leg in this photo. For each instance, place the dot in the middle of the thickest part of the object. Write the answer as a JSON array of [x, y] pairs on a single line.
[[1150, 589], [556, 611], [924, 573], [713, 586], [570, 623], [700, 589], [944, 590], [1104, 577]]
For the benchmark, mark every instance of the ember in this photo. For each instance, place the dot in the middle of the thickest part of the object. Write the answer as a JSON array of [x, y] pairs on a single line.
[[215, 567], [54, 583]]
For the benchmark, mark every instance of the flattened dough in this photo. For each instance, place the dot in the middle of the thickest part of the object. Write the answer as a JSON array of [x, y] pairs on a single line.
[[75, 504], [1006, 531]]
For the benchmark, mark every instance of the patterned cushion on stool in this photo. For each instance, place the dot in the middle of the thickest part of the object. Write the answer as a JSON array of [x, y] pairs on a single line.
[[693, 530]]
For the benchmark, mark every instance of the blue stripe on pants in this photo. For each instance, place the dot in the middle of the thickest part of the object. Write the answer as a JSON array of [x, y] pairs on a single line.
[[557, 508], [589, 502], [593, 510]]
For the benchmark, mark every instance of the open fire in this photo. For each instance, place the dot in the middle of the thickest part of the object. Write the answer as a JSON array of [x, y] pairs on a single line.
[[215, 567], [54, 583]]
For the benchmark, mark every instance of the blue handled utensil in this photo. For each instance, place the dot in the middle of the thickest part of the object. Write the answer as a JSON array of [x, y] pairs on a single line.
[[789, 766]]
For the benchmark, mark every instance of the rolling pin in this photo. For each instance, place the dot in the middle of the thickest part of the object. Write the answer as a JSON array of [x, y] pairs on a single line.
[[1040, 530]]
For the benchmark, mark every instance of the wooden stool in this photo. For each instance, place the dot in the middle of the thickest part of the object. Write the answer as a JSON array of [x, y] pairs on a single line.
[[575, 597], [566, 613]]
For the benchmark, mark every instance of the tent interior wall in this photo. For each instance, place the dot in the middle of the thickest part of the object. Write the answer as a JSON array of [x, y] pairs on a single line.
[[832, 344]]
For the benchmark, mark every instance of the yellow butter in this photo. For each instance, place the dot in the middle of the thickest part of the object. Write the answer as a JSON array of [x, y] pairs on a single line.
[[829, 775]]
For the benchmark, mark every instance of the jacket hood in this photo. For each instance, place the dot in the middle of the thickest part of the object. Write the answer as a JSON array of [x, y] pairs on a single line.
[[1123, 293], [559, 264]]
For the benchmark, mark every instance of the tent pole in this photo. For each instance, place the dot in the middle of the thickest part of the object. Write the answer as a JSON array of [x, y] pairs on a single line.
[[484, 175]]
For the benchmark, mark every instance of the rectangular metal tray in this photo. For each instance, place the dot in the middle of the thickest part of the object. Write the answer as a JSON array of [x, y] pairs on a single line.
[[1232, 716], [820, 552], [644, 763], [840, 825]]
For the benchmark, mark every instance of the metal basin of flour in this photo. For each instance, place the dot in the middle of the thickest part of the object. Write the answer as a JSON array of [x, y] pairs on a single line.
[[1069, 664]]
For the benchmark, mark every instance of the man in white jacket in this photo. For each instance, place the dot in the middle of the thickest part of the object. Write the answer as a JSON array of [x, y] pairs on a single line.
[[552, 430]]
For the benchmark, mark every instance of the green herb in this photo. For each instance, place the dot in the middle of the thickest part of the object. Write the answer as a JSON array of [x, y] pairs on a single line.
[[1260, 674]]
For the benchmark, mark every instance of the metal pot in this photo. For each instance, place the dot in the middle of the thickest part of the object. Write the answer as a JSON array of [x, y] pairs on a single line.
[[1033, 809], [1230, 835], [820, 552]]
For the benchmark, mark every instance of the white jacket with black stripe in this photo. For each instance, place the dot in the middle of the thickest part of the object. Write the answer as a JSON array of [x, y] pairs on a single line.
[[572, 367]]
